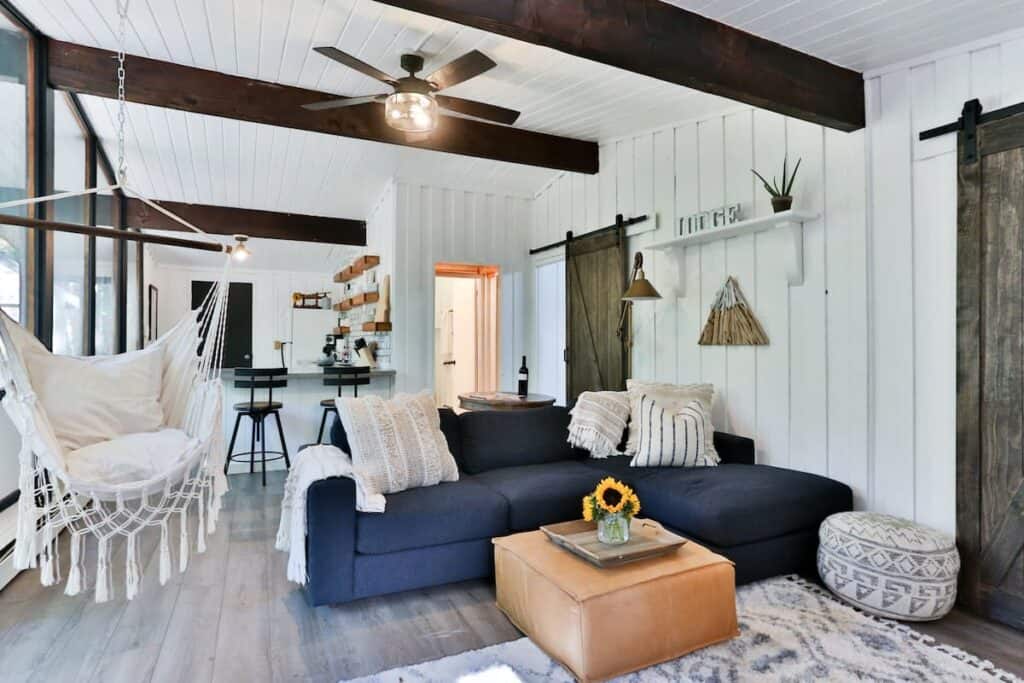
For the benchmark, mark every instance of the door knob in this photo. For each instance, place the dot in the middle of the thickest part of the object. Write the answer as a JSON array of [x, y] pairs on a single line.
[[448, 362]]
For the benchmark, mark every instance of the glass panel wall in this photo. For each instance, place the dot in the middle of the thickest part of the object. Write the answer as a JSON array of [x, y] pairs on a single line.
[[134, 339], [69, 250], [105, 292], [14, 46]]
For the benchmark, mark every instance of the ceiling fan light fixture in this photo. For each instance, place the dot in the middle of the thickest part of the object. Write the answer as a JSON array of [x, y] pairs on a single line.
[[411, 112]]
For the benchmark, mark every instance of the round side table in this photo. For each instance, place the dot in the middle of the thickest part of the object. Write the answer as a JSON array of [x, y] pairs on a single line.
[[503, 400]]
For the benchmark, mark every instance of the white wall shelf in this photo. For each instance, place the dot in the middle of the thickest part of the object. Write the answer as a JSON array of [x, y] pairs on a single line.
[[790, 221]]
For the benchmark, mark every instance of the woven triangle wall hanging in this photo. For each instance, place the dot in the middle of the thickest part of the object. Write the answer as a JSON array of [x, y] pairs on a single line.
[[731, 322]]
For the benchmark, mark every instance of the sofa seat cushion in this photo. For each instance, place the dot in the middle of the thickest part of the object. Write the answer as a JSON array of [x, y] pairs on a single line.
[[735, 504], [448, 512], [618, 466], [542, 494]]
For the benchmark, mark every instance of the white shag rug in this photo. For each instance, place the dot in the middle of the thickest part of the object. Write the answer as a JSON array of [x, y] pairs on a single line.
[[790, 629]]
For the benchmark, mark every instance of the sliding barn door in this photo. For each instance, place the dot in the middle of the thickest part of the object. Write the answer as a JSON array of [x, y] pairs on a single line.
[[990, 368], [595, 278]]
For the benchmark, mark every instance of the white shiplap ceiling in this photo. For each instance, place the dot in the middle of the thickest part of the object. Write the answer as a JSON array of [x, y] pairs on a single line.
[[865, 34], [189, 157], [195, 158]]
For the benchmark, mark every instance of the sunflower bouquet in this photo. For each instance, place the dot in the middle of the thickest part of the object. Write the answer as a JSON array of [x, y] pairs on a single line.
[[612, 505]]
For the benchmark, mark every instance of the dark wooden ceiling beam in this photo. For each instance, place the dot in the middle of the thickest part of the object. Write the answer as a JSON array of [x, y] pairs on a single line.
[[656, 39], [91, 71], [228, 220]]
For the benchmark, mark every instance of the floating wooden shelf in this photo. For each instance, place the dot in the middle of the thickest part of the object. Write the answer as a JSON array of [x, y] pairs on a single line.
[[791, 221], [341, 331], [358, 300], [345, 275], [376, 327], [358, 267], [365, 263], [365, 298]]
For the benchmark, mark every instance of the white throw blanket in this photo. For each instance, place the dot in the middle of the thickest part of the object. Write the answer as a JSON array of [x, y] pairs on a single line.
[[598, 420], [313, 464]]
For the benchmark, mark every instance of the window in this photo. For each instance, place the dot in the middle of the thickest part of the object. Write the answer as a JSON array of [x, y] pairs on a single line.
[[69, 262], [106, 298], [133, 294], [13, 166]]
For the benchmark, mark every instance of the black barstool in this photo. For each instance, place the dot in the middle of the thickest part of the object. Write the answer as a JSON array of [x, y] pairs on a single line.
[[340, 376], [258, 411]]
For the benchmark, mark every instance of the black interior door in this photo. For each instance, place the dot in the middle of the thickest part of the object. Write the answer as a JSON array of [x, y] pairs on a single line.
[[238, 325]]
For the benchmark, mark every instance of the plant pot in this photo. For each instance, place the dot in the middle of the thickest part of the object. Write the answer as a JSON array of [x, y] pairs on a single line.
[[781, 204], [613, 529]]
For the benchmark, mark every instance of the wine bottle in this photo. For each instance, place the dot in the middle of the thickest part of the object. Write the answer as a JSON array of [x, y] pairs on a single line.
[[524, 378]]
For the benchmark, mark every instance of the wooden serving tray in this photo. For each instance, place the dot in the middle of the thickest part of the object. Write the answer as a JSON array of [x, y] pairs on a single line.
[[647, 539]]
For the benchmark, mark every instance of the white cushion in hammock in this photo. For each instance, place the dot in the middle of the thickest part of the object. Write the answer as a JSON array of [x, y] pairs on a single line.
[[131, 458], [100, 398]]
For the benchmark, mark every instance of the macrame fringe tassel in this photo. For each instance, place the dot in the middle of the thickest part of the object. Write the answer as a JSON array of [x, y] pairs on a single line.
[[165, 554], [133, 576], [76, 570], [47, 572], [201, 531], [183, 541], [102, 570], [26, 545], [212, 502]]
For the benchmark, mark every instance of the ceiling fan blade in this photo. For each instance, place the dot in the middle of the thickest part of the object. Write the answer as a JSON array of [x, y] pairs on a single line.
[[462, 69], [355, 63], [343, 102], [478, 110]]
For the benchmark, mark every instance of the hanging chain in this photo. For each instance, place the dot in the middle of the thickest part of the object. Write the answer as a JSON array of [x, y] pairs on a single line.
[[122, 33]]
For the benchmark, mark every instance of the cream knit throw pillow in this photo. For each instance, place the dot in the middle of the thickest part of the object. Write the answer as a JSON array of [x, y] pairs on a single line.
[[397, 444], [598, 421]]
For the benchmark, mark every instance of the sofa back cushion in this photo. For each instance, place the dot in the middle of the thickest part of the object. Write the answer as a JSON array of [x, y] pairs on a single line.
[[506, 438]]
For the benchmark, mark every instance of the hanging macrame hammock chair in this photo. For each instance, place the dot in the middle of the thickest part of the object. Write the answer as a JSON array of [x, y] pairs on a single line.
[[52, 499], [55, 497]]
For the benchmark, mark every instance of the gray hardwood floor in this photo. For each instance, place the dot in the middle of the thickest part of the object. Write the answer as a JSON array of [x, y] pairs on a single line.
[[233, 616]]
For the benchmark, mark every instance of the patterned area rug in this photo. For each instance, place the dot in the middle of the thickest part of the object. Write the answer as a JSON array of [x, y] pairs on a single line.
[[790, 630]]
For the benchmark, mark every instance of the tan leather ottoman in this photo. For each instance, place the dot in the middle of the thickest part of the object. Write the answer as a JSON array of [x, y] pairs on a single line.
[[602, 623]]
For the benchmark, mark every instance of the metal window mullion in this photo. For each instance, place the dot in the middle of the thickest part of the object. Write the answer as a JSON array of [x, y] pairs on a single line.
[[89, 290]]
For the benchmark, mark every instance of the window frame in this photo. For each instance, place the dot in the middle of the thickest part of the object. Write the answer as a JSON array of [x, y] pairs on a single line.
[[38, 309]]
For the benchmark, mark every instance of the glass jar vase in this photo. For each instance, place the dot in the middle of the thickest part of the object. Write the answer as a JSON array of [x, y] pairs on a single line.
[[613, 529]]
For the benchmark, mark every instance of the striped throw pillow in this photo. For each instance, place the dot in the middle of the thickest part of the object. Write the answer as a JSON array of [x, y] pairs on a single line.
[[671, 438]]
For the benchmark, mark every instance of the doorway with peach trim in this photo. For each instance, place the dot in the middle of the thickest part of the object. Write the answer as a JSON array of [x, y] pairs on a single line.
[[466, 330]]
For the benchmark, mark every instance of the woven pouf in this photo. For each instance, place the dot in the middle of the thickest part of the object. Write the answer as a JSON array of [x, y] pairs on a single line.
[[889, 566]]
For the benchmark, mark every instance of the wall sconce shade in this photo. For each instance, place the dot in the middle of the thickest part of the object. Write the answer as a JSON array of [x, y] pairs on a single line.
[[640, 289]]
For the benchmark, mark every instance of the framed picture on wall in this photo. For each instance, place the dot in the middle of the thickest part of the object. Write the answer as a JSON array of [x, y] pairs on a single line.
[[152, 329]]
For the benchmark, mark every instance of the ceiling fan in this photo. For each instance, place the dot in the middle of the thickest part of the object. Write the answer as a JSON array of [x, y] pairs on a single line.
[[414, 105]]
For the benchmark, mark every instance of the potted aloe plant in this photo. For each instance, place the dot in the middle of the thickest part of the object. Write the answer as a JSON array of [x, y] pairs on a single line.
[[782, 198]]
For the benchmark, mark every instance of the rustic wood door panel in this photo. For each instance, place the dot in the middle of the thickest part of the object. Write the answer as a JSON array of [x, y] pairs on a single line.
[[990, 372], [595, 273]]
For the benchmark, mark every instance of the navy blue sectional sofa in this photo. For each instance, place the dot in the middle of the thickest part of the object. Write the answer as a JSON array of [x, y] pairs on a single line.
[[517, 472]]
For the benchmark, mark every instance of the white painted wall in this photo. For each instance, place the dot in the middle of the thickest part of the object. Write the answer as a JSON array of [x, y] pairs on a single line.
[[912, 276], [434, 224], [803, 397]]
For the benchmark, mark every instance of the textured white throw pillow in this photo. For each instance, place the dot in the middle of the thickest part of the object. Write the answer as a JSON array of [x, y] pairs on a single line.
[[95, 399], [670, 438], [671, 397], [397, 444]]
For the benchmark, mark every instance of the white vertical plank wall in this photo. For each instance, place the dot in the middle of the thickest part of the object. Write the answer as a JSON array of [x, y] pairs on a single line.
[[803, 398], [912, 278], [435, 224]]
